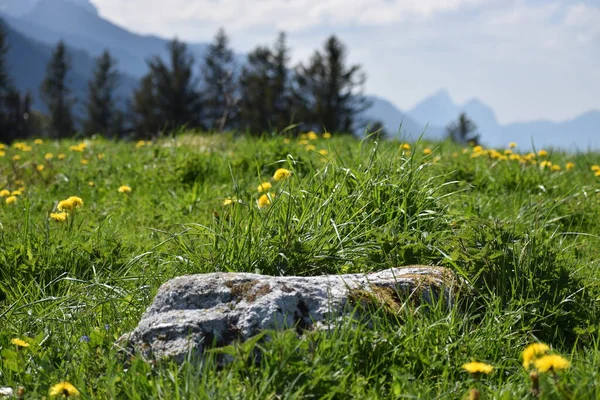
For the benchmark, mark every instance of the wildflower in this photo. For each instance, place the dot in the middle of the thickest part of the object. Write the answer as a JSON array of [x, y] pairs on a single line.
[[2, 153], [4, 193], [323, 152], [48, 156], [229, 201], [287, 140], [40, 167], [303, 142], [16, 157], [405, 146], [26, 148], [545, 164], [101, 156], [11, 200], [595, 168], [475, 367], [19, 145], [91, 184], [532, 351], [508, 151], [19, 342], [303, 136], [140, 143], [569, 165], [264, 200], [597, 173], [124, 189], [84, 161], [327, 135], [78, 148], [311, 147], [477, 149], [59, 217], [69, 204], [76, 201], [263, 187], [61, 156], [16, 192], [427, 151], [512, 145], [312, 136], [542, 153], [281, 174], [552, 362], [2, 146], [64, 389], [556, 167], [38, 141]]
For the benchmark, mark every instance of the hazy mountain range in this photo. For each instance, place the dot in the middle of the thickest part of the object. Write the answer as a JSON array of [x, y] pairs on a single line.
[[35, 26]]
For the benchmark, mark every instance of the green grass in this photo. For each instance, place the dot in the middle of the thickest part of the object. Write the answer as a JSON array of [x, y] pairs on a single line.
[[525, 237]]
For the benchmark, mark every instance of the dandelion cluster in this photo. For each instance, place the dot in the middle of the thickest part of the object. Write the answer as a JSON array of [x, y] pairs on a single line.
[[64, 389]]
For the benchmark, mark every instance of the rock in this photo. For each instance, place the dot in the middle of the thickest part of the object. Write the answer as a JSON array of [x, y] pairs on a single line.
[[192, 312]]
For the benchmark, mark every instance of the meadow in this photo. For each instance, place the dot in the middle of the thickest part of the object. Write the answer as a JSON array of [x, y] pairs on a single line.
[[522, 228]]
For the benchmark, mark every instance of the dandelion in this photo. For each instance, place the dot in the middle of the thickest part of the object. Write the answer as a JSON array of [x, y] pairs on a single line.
[[327, 135], [140, 143], [101, 156], [229, 201], [532, 351], [27, 148], [38, 141], [311, 147], [40, 167], [542, 153], [16, 157], [555, 167], [264, 200], [323, 152], [84, 161], [281, 174], [477, 149], [69, 204], [2, 146], [545, 164], [91, 184], [48, 156], [476, 367], [18, 192], [405, 146], [59, 217], [124, 189], [570, 165], [78, 148], [287, 140], [64, 389], [2, 153], [427, 151], [512, 145], [4, 193], [508, 152], [263, 187], [552, 362], [597, 173], [61, 156], [76, 201], [11, 200], [303, 142], [312, 135], [19, 342]]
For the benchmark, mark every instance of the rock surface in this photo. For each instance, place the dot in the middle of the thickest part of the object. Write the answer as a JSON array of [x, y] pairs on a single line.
[[192, 312]]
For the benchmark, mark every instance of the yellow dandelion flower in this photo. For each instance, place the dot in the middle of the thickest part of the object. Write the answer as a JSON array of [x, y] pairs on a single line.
[[595, 168], [229, 201], [327, 135], [140, 143], [101, 156], [545, 164], [532, 351], [303, 135], [61, 156], [512, 145], [508, 152], [48, 156], [263, 187], [312, 135], [76, 201], [84, 161], [17, 192], [427, 151], [514, 157], [552, 362], [27, 148], [281, 174], [2, 153], [91, 184], [477, 149], [124, 189], [303, 142], [323, 152], [38, 141], [4, 193], [65, 205], [287, 140], [40, 167], [60, 217], [2, 146], [11, 200], [16, 157], [570, 165], [64, 389], [555, 167], [19, 342], [597, 173], [311, 147], [19, 145], [405, 146], [542, 153], [476, 367], [265, 200]]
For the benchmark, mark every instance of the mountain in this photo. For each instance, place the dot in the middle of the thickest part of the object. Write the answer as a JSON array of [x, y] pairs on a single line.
[[16, 8], [436, 110], [27, 60], [77, 23], [399, 124]]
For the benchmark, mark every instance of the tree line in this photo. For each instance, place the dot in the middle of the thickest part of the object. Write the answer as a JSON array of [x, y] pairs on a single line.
[[264, 94]]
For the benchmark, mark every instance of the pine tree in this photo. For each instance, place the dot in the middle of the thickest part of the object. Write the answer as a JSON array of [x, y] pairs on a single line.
[[327, 93], [264, 102], [101, 106], [463, 130], [56, 93], [219, 85], [168, 97]]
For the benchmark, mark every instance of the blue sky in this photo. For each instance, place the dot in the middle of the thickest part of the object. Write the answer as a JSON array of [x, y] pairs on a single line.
[[527, 59]]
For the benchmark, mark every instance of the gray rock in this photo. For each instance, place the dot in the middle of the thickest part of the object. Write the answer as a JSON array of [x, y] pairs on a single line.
[[192, 312]]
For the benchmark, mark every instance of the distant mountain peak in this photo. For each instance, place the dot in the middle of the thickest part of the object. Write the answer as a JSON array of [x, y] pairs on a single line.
[[81, 4]]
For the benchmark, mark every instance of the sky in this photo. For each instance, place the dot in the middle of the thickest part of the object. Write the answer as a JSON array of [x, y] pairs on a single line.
[[527, 59]]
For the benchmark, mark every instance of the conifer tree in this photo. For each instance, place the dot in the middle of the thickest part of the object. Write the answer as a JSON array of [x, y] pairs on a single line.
[[56, 93], [328, 94], [463, 130], [101, 104], [264, 102], [219, 85]]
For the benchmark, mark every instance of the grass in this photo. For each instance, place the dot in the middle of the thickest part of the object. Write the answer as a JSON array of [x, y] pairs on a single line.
[[521, 231]]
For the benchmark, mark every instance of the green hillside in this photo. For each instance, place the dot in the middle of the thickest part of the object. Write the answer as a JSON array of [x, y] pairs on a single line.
[[521, 228]]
